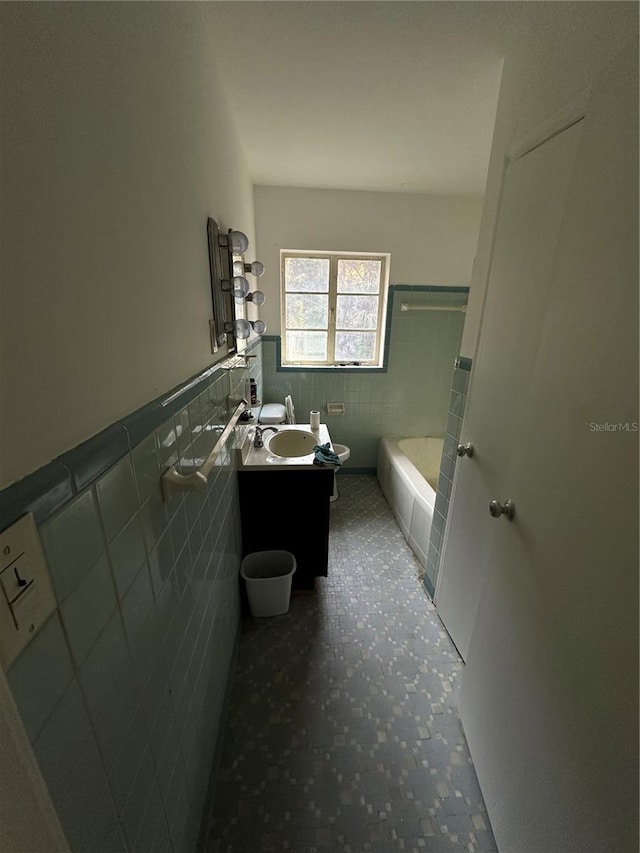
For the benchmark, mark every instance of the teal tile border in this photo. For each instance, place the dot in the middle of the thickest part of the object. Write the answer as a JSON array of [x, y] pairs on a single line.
[[93, 457], [149, 417], [253, 345], [42, 493], [430, 288], [463, 363], [457, 405], [460, 380], [429, 586], [49, 488], [393, 289], [182, 394], [141, 423]]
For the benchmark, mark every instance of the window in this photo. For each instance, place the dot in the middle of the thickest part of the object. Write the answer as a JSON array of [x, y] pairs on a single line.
[[333, 308]]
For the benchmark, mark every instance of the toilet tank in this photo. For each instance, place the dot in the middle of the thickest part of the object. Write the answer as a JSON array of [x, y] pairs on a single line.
[[272, 413]]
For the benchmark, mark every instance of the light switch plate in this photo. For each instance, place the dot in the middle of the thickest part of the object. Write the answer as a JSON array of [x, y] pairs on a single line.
[[26, 595]]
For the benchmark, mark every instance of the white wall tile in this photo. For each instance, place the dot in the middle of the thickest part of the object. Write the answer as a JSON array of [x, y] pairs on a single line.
[[145, 467], [88, 608], [72, 541], [63, 739], [105, 833], [103, 666], [39, 676], [127, 553], [137, 605], [147, 637], [117, 497]]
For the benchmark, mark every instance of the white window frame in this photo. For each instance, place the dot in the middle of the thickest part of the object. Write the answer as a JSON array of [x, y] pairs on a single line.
[[333, 258]]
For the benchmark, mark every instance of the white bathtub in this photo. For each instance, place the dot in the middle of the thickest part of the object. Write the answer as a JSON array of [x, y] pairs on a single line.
[[408, 476]]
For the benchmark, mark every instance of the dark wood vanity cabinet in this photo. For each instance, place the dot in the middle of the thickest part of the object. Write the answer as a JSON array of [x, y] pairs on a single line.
[[288, 510]]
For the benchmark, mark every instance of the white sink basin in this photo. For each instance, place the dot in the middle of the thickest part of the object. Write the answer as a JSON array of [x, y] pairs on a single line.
[[292, 442]]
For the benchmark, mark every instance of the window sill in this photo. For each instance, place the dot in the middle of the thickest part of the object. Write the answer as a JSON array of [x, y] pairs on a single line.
[[331, 368], [325, 368]]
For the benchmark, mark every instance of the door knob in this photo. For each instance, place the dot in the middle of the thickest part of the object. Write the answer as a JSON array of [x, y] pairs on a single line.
[[464, 450], [507, 508]]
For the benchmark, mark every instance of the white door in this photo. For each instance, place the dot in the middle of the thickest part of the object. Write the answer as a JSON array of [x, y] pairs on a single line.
[[531, 213], [549, 695]]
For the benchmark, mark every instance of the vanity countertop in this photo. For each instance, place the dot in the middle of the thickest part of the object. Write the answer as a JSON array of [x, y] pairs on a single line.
[[256, 458]]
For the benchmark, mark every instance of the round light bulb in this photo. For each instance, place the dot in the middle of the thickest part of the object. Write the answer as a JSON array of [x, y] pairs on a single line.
[[257, 297], [240, 286], [259, 327], [257, 268], [239, 242], [238, 268], [242, 329]]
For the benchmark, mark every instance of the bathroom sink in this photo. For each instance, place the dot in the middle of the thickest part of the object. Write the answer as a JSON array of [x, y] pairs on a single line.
[[292, 442]]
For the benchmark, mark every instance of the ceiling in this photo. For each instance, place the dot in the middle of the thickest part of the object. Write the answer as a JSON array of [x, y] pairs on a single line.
[[388, 96]]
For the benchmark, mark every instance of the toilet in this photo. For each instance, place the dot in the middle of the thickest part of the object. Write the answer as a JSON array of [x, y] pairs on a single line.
[[343, 452], [271, 413]]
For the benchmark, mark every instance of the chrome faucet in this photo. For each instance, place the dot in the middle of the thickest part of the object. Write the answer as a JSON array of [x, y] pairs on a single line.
[[257, 439]]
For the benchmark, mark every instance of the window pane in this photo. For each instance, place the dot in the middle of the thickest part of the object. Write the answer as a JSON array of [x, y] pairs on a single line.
[[306, 274], [357, 312], [306, 346], [359, 276], [355, 346], [307, 311]]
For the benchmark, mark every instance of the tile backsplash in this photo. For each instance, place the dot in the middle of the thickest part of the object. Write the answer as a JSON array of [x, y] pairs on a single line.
[[122, 690]]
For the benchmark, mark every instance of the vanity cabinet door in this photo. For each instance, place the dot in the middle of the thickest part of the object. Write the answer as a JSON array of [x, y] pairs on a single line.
[[288, 510]]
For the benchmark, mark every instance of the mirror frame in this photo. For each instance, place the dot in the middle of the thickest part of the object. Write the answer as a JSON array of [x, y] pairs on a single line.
[[221, 269]]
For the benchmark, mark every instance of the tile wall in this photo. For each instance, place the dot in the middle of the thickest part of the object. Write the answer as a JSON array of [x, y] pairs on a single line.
[[122, 690], [410, 397], [453, 429]]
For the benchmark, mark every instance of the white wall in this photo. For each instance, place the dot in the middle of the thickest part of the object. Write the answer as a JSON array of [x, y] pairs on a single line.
[[549, 62], [117, 143], [432, 239]]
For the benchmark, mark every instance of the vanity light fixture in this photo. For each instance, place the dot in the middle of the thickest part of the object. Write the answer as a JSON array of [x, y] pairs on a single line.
[[256, 296], [239, 285], [239, 242], [229, 287], [255, 268], [242, 328]]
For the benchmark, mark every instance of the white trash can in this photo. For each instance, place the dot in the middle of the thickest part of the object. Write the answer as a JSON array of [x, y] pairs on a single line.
[[268, 575]]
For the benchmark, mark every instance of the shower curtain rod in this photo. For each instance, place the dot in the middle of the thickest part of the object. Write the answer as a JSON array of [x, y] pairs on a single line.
[[406, 307]]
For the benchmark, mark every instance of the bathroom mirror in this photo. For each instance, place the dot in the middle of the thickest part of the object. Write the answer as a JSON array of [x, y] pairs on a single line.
[[224, 308]]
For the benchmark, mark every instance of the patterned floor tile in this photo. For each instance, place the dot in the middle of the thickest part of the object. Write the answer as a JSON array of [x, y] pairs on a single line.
[[342, 732]]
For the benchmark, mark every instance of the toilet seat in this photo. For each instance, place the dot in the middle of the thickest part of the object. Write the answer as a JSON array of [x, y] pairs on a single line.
[[343, 453]]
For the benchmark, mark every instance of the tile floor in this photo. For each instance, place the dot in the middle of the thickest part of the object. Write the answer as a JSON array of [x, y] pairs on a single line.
[[342, 733]]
